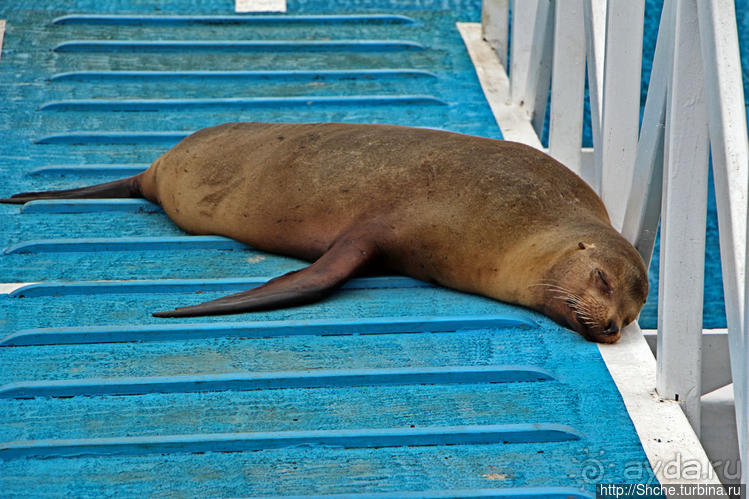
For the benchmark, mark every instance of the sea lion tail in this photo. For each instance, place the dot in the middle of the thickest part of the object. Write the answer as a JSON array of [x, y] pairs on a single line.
[[308, 285], [124, 188]]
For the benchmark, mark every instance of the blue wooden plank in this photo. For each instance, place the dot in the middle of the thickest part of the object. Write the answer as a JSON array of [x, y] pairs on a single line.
[[133, 243], [107, 138], [189, 285], [275, 75], [291, 409], [240, 442], [234, 46], [262, 329], [393, 471], [142, 20], [124, 137], [90, 206], [237, 102], [323, 378]]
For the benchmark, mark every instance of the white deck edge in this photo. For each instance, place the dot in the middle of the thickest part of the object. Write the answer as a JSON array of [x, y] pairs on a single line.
[[666, 435], [242, 6], [2, 35], [672, 447]]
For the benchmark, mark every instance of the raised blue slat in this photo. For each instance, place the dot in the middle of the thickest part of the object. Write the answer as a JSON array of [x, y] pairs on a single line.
[[124, 244], [254, 19], [236, 102], [86, 138], [331, 74], [90, 206], [116, 137], [237, 442], [110, 46], [91, 169], [262, 329], [515, 493], [323, 378], [51, 288]]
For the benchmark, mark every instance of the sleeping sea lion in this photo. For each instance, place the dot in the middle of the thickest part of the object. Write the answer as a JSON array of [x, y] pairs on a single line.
[[484, 216]]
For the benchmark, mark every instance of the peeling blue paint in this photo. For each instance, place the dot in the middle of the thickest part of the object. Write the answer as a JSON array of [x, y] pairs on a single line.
[[390, 388]]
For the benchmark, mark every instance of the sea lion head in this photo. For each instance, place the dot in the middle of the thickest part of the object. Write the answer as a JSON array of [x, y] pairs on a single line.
[[595, 288]]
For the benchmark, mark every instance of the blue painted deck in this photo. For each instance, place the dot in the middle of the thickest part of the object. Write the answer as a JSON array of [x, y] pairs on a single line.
[[391, 388]]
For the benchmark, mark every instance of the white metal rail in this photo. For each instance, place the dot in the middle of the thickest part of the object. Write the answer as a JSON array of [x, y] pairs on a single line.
[[656, 171]]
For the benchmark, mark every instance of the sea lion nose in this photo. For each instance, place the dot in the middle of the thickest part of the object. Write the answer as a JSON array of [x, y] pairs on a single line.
[[611, 328]]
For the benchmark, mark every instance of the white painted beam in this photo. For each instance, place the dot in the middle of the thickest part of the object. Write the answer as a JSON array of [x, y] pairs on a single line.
[[243, 6], [536, 93], [523, 21], [644, 203], [684, 213], [719, 435], [495, 26], [716, 363], [724, 96], [621, 104], [595, 35], [568, 86]]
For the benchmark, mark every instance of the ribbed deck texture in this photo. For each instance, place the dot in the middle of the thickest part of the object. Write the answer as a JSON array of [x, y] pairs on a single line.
[[391, 388]]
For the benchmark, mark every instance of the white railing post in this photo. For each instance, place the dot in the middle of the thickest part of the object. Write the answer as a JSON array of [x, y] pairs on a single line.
[[724, 96], [539, 72], [523, 21], [644, 203], [621, 103], [495, 19], [568, 85], [683, 216], [595, 36]]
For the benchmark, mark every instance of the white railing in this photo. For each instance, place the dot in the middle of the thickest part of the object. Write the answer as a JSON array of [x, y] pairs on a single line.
[[656, 172]]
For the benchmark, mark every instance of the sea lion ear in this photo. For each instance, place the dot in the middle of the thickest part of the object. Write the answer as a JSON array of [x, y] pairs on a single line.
[[581, 245], [602, 281]]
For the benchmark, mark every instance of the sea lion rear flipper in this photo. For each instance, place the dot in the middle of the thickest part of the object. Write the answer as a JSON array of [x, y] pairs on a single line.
[[310, 284], [122, 188]]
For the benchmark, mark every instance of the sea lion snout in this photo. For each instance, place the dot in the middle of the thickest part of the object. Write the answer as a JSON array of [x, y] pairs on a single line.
[[595, 292]]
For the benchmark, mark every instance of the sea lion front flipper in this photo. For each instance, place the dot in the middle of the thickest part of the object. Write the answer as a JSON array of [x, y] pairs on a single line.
[[310, 284]]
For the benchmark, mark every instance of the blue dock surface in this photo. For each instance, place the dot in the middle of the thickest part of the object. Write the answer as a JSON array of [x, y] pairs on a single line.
[[390, 388]]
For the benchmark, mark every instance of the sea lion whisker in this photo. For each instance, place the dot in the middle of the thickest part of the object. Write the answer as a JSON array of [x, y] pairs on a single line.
[[567, 295], [562, 290], [590, 301], [581, 312], [583, 316], [542, 283], [566, 298]]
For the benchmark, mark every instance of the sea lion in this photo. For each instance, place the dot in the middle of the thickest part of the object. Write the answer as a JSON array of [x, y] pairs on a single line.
[[484, 216]]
